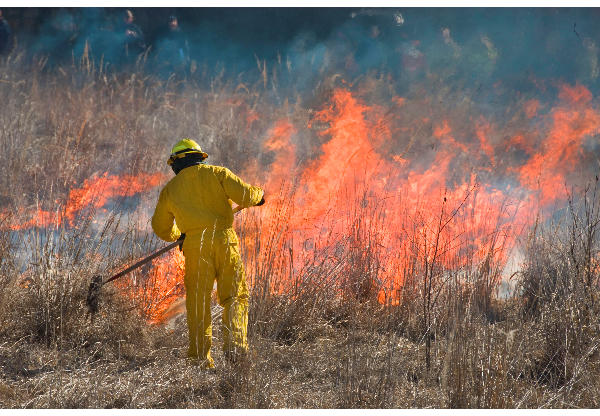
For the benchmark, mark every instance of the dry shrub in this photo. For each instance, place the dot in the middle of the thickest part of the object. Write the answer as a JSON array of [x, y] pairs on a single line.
[[43, 302], [560, 286]]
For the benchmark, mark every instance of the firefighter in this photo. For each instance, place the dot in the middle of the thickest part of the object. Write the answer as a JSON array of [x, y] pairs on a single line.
[[174, 39], [196, 204], [135, 42], [173, 51]]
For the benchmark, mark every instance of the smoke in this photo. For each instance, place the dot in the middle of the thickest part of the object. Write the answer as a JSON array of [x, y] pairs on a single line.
[[478, 45]]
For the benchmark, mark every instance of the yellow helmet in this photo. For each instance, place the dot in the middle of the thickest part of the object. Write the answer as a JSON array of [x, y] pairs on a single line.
[[184, 147]]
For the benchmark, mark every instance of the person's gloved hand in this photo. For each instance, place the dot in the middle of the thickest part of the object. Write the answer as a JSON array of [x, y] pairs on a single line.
[[262, 201], [182, 237]]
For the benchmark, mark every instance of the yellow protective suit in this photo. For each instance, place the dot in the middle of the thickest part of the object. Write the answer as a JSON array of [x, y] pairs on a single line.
[[199, 199]]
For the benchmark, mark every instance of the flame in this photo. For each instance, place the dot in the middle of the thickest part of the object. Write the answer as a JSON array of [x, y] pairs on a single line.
[[91, 196], [88, 196], [531, 108], [345, 152], [444, 198], [352, 138], [558, 154], [280, 141], [155, 288]]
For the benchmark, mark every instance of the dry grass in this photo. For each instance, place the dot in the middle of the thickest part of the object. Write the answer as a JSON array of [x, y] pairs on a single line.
[[319, 337]]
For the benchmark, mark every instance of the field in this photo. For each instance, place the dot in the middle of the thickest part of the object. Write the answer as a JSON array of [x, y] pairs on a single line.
[[409, 255]]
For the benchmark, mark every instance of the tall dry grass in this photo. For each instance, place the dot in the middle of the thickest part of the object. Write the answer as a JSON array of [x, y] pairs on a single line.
[[320, 335]]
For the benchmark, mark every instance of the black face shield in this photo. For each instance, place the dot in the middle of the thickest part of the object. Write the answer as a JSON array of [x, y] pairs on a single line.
[[191, 159]]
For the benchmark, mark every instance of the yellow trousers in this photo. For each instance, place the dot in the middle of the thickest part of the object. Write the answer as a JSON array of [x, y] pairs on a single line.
[[214, 255]]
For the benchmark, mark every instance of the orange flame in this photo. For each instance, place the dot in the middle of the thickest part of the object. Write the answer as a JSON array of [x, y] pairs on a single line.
[[558, 154], [475, 214], [160, 287], [92, 195]]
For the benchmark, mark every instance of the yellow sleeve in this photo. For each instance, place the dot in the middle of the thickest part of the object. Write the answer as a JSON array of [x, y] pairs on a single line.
[[239, 192], [163, 220]]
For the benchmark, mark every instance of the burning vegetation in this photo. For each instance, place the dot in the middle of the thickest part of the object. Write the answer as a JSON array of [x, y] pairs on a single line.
[[420, 246]]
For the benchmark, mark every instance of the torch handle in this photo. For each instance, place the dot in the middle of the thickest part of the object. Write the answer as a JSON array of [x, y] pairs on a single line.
[[155, 255], [145, 260]]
